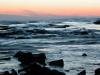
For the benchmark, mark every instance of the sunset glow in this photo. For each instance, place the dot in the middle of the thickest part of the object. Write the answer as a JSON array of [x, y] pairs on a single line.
[[51, 7]]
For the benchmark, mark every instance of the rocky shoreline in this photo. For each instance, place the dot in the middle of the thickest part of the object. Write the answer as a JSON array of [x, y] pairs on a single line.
[[35, 64]]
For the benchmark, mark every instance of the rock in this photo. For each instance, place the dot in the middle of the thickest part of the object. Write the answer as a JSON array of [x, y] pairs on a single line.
[[58, 63], [97, 22], [61, 26], [55, 72], [84, 54], [97, 71], [82, 73], [24, 58], [27, 58], [6, 73], [13, 72], [84, 33], [40, 58], [36, 69]]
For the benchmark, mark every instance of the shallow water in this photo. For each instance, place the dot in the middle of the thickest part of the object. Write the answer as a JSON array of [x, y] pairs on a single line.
[[66, 43]]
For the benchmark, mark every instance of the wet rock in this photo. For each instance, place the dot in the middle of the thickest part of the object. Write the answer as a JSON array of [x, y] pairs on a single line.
[[13, 72], [36, 69], [84, 54], [97, 22], [58, 63], [27, 58], [6, 73], [55, 72], [40, 58], [82, 73], [24, 58], [84, 33], [97, 71]]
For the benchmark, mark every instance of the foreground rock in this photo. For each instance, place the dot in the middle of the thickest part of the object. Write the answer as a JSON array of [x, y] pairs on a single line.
[[97, 71], [97, 22], [36, 69], [34, 64], [27, 58], [13, 72], [58, 63]]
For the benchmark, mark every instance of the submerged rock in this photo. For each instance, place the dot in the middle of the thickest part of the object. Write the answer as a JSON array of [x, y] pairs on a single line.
[[59, 63], [84, 54], [97, 22], [82, 73]]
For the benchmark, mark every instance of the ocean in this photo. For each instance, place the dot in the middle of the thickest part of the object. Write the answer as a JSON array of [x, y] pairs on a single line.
[[65, 39]]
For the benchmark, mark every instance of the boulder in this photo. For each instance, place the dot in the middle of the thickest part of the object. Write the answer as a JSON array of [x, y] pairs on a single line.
[[40, 58], [55, 72], [6, 73], [36, 69], [97, 71], [58, 63], [27, 58], [24, 58], [13, 72], [82, 73]]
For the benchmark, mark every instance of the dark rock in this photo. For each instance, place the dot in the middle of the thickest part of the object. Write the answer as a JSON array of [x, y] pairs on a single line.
[[59, 63], [6, 73], [36, 69], [13, 72], [24, 58], [84, 54], [55, 72], [40, 58], [18, 54], [97, 71], [27, 58], [97, 22], [82, 73], [84, 33], [61, 26]]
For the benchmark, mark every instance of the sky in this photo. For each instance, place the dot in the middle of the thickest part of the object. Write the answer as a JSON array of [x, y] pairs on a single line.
[[51, 7]]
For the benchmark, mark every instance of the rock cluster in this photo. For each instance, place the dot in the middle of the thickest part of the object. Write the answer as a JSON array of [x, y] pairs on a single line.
[[35, 64]]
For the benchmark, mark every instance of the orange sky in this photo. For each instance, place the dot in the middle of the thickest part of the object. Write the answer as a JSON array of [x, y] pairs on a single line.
[[51, 7]]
